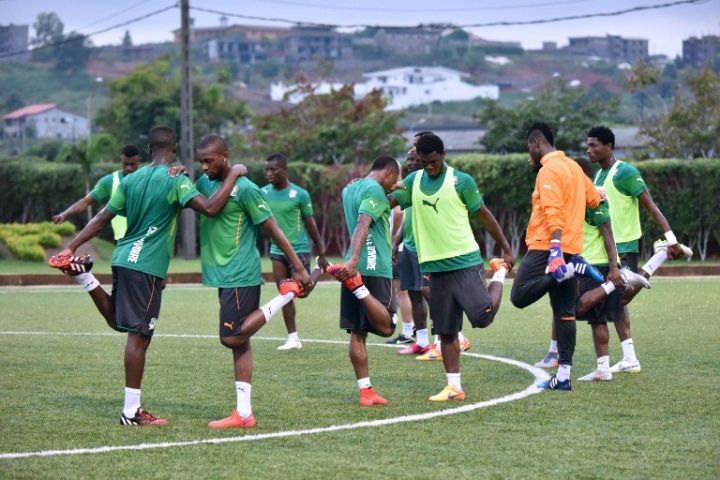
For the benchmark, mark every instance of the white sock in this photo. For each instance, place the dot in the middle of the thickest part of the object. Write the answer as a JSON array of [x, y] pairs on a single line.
[[499, 276], [603, 363], [563, 372], [609, 287], [655, 262], [275, 305], [364, 382], [422, 337], [453, 380], [243, 391], [293, 337], [132, 401], [553, 347], [438, 344], [407, 330], [87, 280], [628, 349], [461, 338], [361, 292]]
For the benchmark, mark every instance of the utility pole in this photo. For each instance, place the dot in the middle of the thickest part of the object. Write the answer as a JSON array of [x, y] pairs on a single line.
[[188, 234]]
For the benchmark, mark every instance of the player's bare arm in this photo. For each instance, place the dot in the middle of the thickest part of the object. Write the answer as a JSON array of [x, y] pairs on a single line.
[[493, 227], [357, 241], [312, 230], [213, 206], [77, 207], [94, 227], [674, 250], [300, 275], [609, 241]]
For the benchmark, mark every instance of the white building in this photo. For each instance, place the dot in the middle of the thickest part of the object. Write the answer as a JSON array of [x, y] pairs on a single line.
[[46, 120], [406, 87]]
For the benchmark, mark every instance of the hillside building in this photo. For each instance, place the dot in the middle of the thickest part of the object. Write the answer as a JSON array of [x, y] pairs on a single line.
[[45, 120]]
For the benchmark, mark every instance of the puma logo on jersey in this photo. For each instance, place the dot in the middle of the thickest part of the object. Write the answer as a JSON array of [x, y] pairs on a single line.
[[234, 191], [433, 205], [293, 193]]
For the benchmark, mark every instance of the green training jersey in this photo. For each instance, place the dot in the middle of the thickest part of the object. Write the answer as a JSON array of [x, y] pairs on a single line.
[[408, 238], [102, 191], [367, 196], [469, 194], [228, 248], [290, 207], [629, 182], [151, 201]]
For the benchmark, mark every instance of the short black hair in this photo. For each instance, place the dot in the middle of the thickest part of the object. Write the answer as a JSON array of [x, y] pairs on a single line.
[[278, 158], [130, 151], [430, 143], [541, 128], [423, 132], [213, 140], [384, 161], [162, 137], [604, 134]]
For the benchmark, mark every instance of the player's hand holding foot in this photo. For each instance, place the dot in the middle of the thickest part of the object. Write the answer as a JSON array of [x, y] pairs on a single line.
[[615, 277], [556, 265], [69, 264], [322, 262], [509, 259]]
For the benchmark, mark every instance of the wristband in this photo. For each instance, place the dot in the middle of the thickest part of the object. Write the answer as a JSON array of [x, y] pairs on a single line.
[[670, 237]]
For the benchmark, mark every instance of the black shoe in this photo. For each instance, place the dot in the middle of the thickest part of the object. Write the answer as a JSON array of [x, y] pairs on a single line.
[[400, 340]]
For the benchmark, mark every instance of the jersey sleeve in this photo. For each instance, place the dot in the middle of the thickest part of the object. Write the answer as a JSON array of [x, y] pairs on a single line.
[[373, 203], [468, 191], [255, 204], [598, 216], [404, 196], [103, 189], [306, 208], [117, 201], [184, 190], [629, 181]]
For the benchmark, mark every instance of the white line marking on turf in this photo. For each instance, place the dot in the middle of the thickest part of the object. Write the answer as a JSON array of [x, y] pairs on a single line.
[[538, 374]]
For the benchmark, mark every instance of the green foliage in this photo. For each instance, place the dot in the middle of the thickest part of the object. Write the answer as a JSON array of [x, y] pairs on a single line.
[[72, 55], [150, 96], [32, 189], [570, 111], [28, 241], [331, 129], [103, 148], [691, 128]]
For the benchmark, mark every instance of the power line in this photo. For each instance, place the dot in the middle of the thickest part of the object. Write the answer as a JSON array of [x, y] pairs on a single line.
[[113, 15], [415, 9], [442, 26], [98, 32]]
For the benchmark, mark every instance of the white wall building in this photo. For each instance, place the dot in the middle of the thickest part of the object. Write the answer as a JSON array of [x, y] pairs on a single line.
[[47, 120], [406, 87]]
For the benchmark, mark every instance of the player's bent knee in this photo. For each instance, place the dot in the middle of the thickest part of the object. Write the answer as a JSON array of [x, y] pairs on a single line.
[[483, 319], [232, 341]]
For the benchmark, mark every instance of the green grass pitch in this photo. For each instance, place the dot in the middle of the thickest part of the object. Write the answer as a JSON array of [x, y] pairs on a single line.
[[61, 382]]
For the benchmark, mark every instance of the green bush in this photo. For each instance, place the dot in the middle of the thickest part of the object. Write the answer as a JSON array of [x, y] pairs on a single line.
[[29, 241]]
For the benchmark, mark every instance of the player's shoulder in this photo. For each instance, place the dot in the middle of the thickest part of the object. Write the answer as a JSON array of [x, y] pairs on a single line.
[[626, 169], [410, 177], [300, 191], [463, 179]]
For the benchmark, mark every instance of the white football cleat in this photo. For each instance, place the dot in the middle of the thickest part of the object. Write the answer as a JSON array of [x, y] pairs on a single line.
[[623, 366], [596, 376], [662, 245], [634, 280], [291, 345]]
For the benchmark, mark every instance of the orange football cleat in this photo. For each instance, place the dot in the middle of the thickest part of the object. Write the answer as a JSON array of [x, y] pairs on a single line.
[[234, 421], [369, 397]]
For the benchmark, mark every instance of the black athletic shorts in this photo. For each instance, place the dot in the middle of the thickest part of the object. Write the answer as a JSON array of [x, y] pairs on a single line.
[[630, 260], [304, 259], [137, 296], [456, 292], [410, 276], [608, 310], [352, 311], [235, 305]]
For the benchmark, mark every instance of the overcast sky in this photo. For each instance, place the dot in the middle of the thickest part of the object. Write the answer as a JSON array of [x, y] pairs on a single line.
[[664, 28]]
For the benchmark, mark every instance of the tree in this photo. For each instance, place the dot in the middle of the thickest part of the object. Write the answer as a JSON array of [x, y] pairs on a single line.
[[48, 30], [150, 96], [331, 129], [571, 111], [72, 55], [127, 40], [691, 127]]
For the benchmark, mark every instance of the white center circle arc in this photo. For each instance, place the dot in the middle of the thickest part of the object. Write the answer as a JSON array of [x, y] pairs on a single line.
[[539, 375]]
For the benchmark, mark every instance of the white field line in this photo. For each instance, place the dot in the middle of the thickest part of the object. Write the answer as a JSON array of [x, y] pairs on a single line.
[[538, 374]]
